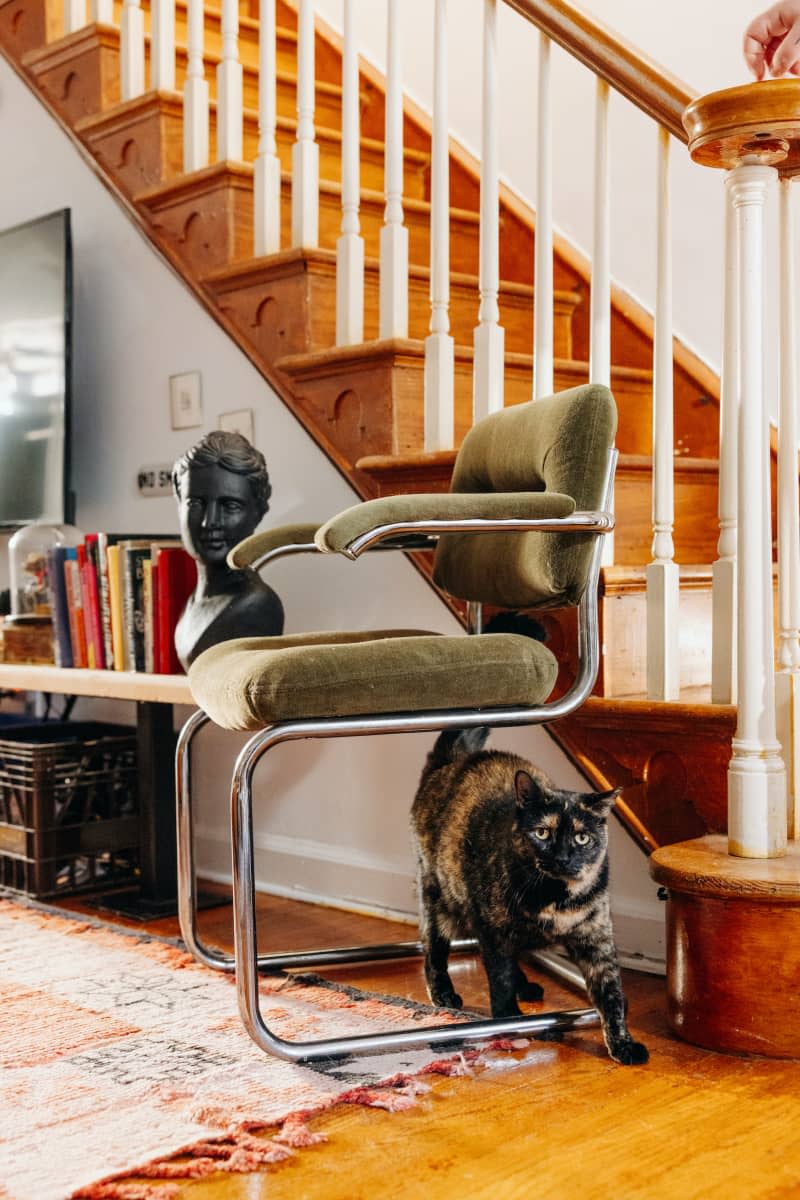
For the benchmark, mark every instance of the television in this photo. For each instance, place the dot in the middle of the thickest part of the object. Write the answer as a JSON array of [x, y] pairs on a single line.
[[35, 350]]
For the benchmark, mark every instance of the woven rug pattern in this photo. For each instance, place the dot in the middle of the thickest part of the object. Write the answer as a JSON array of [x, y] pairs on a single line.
[[119, 1050]]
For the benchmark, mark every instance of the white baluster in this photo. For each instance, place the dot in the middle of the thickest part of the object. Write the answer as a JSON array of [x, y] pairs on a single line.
[[267, 174], [305, 151], [543, 253], [723, 572], [439, 411], [787, 680], [489, 336], [394, 234], [350, 245], [600, 296], [74, 15], [230, 88], [756, 774], [663, 661], [195, 94], [162, 45], [101, 11], [131, 50]]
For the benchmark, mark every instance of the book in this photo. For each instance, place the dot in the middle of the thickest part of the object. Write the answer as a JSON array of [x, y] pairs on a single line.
[[77, 627], [115, 606], [133, 553], [87, 558], [177, 578], [105, 600], [147, 613], [62, 643]]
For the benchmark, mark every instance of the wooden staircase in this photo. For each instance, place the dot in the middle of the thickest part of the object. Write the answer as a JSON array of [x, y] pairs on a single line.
[[363, 404]]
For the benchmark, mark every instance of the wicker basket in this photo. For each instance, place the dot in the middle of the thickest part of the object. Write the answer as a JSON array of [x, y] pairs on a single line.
[[68, 807]]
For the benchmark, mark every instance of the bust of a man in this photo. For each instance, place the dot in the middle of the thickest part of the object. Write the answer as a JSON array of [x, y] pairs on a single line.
[[223, 491]]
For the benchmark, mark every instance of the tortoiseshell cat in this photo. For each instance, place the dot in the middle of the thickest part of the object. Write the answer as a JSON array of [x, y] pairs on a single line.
[[518, 864]]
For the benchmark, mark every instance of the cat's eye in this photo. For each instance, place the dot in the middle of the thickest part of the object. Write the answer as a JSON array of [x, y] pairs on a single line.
[[541, 833], [582, 839]]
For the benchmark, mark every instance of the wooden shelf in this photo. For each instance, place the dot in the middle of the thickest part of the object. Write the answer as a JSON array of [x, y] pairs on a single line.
[[108, 685]]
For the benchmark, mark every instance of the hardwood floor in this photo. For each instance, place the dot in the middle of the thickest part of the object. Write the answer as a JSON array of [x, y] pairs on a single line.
[[569, 1123]]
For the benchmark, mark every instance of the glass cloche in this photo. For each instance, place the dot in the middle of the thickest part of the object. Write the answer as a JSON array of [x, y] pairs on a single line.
[[28, 568]]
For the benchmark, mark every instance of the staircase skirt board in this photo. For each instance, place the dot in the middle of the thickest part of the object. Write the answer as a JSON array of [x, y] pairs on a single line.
[[27, 24], [723, 955], [140, 142], [79, 74]]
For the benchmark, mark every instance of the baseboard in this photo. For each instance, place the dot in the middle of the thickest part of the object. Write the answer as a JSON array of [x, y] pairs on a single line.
[[341, 877]]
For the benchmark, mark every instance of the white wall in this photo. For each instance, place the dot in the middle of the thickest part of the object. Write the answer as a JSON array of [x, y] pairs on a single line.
[[331, 820], [698, 42]]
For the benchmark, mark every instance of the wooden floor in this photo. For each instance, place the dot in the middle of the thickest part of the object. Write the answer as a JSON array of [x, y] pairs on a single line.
[[570, 1123]]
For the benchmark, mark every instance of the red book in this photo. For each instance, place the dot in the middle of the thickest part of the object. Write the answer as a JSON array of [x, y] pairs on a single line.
[[177, 576], [95, 650]]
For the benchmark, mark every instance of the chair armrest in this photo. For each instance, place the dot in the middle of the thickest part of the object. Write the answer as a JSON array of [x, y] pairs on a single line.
[[268, 544], [357, 529]]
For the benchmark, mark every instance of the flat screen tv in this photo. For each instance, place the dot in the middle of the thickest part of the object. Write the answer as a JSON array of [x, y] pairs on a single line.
[[35, 346]]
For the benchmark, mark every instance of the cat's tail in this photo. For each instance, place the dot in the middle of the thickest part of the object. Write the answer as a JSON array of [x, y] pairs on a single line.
[[456, 743]]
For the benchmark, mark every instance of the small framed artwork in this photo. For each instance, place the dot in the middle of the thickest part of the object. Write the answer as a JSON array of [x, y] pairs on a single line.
[[239, 421], [185, 400]]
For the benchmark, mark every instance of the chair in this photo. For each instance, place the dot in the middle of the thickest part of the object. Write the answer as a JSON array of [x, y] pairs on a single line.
[[520, 528]]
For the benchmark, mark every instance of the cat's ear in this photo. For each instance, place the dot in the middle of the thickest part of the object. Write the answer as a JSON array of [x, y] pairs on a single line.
[[528, 789], [601, 803]]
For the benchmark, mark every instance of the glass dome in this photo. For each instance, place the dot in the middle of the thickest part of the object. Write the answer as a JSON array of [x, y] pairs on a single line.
[[28, 568]]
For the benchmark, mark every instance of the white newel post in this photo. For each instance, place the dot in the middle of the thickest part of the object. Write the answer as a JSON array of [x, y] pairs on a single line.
[[230, 88], [663, 660], [489, 336], [439, 377], [756, 774], [195, 94], [787, 680], [101, 11], [305, 151], [131, 48], [723, 572], [74, 15], [394, 234], [543, 247], [162, 45], [600, 295], [350, 244], [267, 172]]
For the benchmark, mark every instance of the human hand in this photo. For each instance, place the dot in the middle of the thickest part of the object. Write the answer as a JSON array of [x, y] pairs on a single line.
[[772, 40]]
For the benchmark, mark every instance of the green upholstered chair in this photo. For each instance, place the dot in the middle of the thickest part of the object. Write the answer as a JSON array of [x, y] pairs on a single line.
[[520, 528]]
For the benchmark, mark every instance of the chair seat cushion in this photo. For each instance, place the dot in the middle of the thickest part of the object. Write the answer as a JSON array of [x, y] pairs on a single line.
[[248, 683]]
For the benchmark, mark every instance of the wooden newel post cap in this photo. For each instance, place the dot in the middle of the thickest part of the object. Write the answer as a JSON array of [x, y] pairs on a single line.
[[755, 123]]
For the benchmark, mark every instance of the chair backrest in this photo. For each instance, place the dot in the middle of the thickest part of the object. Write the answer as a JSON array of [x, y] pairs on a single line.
[[557, 444]]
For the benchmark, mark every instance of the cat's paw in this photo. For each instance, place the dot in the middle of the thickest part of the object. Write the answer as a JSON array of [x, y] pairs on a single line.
[[527, 990], [446, 998], [630, 1053], [511, 1009]]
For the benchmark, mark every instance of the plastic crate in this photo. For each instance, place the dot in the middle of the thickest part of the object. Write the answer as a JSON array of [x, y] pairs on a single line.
[[68, 807]]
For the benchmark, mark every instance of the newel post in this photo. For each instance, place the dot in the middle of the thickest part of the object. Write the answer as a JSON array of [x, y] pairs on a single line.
[[749, 132]]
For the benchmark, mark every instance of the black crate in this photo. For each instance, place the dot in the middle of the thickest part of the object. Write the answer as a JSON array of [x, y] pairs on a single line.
[[68, 807]]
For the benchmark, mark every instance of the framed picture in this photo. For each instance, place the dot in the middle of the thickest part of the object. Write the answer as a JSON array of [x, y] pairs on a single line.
[[185, 400], [239, 421]]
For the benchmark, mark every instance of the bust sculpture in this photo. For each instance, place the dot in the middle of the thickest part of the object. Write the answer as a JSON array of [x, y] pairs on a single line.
[[223, 491]]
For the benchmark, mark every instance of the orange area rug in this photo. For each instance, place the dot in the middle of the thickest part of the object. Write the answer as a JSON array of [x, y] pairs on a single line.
[[123, 1056]]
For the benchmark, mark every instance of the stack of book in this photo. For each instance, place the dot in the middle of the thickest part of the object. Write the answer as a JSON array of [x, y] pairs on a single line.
[[116, 601]]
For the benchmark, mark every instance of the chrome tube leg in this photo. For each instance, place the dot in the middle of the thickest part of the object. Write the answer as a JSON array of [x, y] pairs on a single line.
[[247, 960], [187, 875]]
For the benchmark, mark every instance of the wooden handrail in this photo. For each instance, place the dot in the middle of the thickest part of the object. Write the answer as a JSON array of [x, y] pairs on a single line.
[[647, 85]]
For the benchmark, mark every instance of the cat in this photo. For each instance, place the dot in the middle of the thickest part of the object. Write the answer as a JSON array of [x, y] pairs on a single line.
[[509, 859]]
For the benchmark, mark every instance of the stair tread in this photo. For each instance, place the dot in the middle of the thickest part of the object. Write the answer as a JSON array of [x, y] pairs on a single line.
[[239, 271], [411, 346]]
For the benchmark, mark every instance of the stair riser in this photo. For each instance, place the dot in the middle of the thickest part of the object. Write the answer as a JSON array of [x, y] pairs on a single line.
[[299, 300], [27, 24]]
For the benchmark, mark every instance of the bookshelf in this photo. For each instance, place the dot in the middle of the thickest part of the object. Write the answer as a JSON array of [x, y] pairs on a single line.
[[154, 696]]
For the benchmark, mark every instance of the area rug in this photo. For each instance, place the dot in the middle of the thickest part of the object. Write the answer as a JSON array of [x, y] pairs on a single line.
[[123, 1056]]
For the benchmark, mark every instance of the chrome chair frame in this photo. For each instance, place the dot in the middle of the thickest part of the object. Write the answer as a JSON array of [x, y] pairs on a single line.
[[246, 961]]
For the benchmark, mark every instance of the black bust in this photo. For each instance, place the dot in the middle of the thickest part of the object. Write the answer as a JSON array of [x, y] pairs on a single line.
[[223, 491]]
